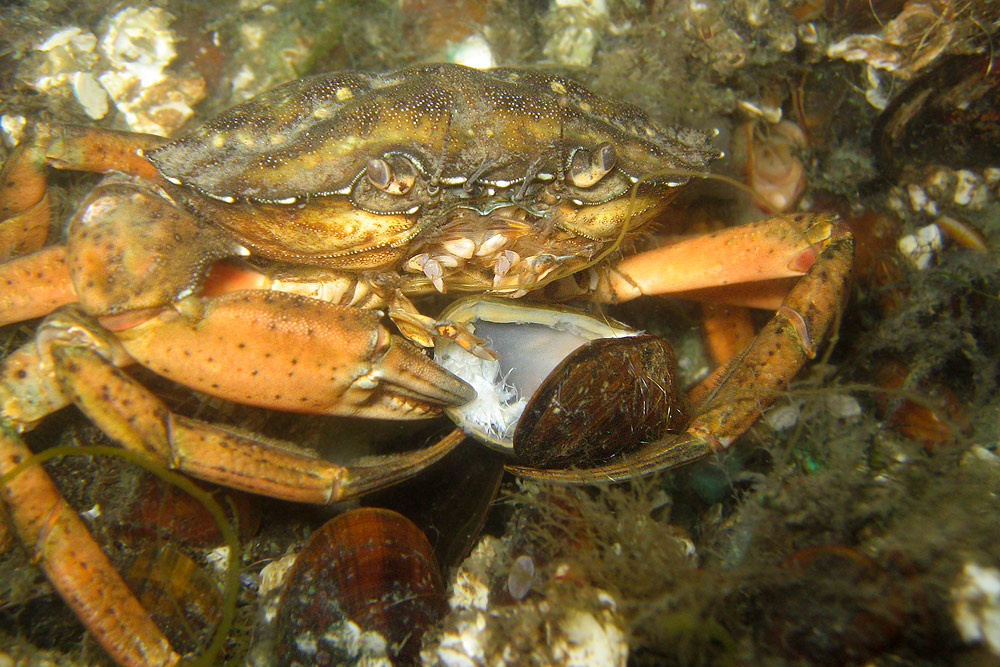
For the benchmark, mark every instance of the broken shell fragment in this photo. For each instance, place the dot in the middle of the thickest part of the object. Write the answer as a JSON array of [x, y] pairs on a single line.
[[567, 388]]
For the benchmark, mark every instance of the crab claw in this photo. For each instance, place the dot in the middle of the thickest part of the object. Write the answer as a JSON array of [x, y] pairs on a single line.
[[292, 353], [405, 374]]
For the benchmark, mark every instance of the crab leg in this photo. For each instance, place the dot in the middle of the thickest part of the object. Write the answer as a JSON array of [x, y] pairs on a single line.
[[24, 202], [752, 381], [58, 540], [395, 380], [34, 285], [779, 247], [736, 396], [75, 359], [728, 329], [288, 352], [137, 420]]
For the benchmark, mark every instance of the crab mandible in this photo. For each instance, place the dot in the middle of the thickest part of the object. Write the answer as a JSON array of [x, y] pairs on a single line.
[[249, 260]]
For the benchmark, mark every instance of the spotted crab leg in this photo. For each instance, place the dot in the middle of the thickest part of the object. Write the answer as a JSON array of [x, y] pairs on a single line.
[[737, 396], [24, 202], [34, 285], [58, 540], [75, 360]]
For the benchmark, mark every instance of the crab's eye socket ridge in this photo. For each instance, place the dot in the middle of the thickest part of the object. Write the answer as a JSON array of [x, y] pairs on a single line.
[[587, 168], [394, 175]]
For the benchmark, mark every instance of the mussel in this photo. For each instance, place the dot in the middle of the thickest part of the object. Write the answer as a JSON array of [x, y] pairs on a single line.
[[947, 117], [363, 589], [568, 388]]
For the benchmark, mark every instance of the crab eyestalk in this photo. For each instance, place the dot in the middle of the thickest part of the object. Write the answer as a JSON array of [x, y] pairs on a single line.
[[567, 388]]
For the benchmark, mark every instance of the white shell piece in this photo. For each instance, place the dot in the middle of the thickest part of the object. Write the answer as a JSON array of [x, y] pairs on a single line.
[[13, 128], [90, 95], [920, 248], [473, 51], [782, 417], [521, 576], [542, 336], [976, 610]]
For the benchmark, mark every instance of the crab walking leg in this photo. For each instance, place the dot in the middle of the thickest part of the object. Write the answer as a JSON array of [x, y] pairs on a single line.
[[58, 540], [24, 202], [752, 380], [34, 285], [728, 330], [737, 396], [779, 247], [25, 231], [137, 420]]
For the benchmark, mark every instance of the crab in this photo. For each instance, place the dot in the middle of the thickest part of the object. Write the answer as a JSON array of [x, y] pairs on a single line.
[[262, 257]]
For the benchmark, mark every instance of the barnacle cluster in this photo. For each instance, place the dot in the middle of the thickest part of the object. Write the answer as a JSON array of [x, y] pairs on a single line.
[[126, 67]]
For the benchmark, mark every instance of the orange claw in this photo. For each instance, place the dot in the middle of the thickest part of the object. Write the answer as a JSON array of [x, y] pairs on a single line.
[[779, 247], [288, 352]]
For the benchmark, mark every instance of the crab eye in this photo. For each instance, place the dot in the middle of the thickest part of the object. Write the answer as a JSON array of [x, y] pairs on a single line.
[[586, 168], [393, 174]]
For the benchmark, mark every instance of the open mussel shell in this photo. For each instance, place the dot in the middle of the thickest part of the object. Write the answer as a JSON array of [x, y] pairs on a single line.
[[947, 117], [362, 591], [568, 388]]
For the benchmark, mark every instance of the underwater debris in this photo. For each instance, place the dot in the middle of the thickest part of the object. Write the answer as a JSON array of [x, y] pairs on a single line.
[[12, 126], [574, 27], [907, 44], [127, 65], [976, 596], [562, 621], [945, 117]]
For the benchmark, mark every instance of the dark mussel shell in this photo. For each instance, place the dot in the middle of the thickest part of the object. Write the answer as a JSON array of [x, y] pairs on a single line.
[[181, 596], [949, 116], [832, 605], [366, 571], [605, 398]]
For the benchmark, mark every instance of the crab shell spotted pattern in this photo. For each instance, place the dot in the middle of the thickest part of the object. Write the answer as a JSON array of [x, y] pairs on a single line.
[[409, 170]]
